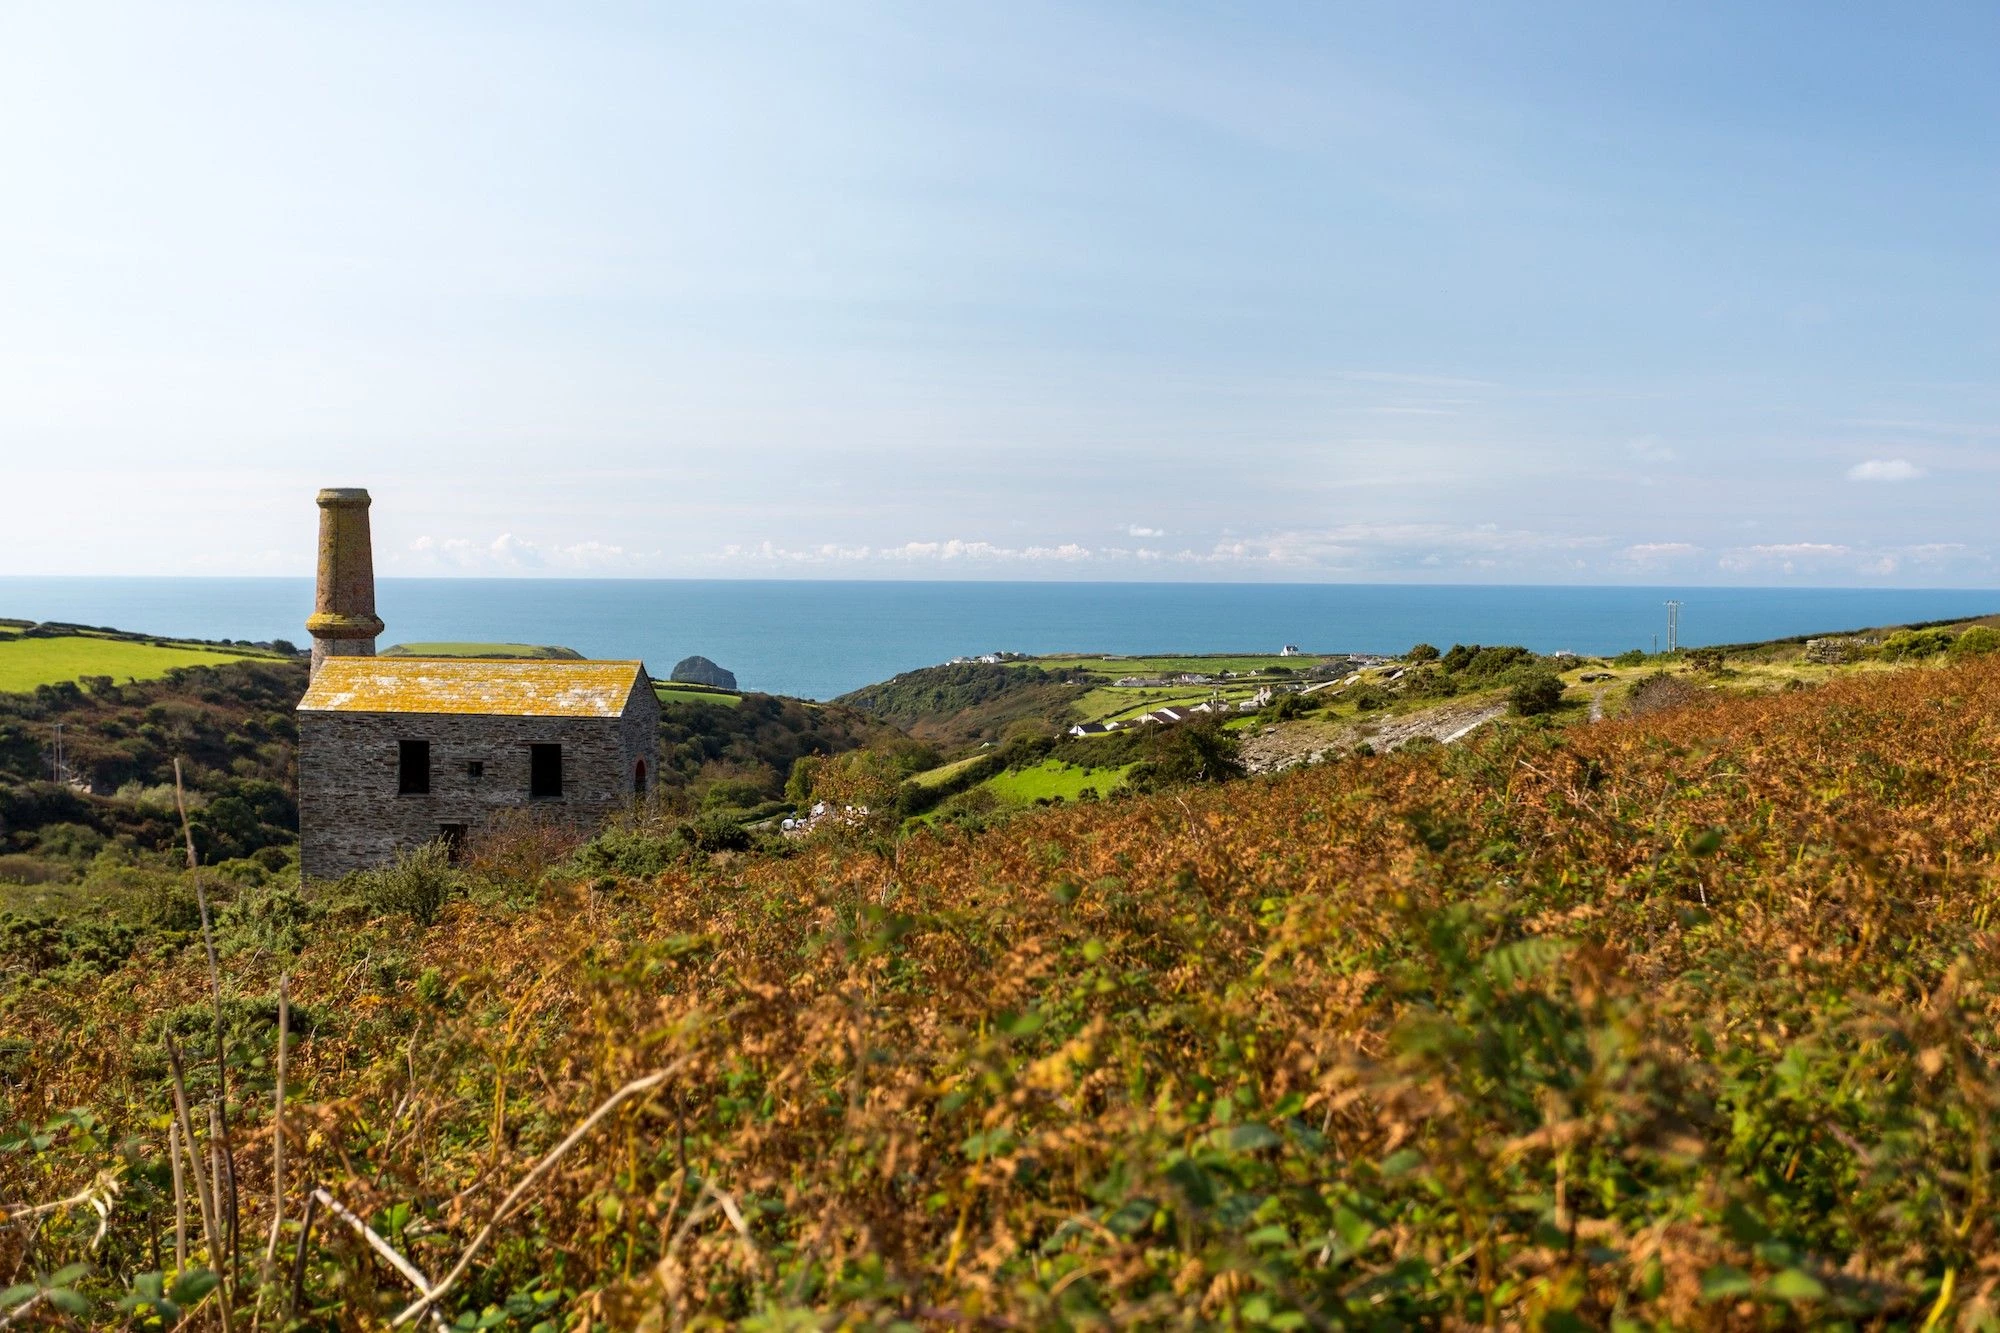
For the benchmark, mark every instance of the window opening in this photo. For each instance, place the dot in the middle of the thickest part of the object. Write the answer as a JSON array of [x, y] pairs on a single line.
[[413, 768], [639, 778], [545, 772]]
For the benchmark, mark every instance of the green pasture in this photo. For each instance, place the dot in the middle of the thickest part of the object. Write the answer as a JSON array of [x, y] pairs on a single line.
[[1156, 666], [1025, 786], [503, 650], [26, 663], [692, 694], [943, 773]]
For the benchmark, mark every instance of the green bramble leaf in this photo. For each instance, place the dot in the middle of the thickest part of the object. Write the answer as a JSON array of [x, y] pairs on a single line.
[[192, 1285], [1794, 1284]]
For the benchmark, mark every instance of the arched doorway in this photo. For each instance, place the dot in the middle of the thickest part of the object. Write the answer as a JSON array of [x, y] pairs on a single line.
[[639, 778]]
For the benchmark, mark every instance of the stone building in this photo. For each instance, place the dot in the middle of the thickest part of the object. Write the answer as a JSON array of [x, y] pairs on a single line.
[[396, 752]]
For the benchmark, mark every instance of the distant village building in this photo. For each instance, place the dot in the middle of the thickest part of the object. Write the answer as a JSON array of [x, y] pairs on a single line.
[[1289, 650], [395, 752]]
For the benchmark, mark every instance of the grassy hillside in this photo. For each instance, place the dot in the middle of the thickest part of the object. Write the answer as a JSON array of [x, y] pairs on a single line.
[[1052, 779], [697, 694], [107, 840], [501, 650], [1687, 1020], [970, 701], [27, 662]]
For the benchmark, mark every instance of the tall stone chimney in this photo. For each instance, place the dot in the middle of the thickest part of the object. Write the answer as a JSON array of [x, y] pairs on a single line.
[[343, 622]]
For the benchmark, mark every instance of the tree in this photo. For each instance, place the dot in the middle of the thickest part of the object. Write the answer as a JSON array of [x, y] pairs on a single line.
[[1423, 652], [863, 779], [1191, 752], [1537, 693], [799, 786]]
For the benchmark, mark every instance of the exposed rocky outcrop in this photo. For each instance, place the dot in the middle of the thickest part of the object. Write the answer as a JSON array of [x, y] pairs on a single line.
[[699, 670]]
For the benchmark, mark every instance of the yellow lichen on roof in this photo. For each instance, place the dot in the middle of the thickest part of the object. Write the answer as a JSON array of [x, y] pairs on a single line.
[[509, 688]]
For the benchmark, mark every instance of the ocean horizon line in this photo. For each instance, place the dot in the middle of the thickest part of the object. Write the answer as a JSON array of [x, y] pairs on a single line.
[[1884, 589]]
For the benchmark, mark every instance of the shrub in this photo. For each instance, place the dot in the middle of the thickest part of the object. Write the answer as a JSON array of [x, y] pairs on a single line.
[[1977, 641], [629, 852], [1287, 706], [1368, 698], [733, 794], [272, 917], [969, 807], [418, 884], [1909, 645], [1659, 692], [717, 833], [1192, 752], [1422, 652], [1536, 694], [1490, 662], [1430, 683], [1630, 658]]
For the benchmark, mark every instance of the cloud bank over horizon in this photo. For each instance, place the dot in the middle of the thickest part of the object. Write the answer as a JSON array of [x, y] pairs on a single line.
[[1025, 292]]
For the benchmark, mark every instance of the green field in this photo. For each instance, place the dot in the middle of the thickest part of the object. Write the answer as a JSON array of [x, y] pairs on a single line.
[[943, 773], [695, 694], [509, 650], [1024, 786], [1115, 667], [26, 663]]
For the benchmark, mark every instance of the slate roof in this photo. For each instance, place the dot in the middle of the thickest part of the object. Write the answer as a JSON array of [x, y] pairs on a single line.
[[531, 688]]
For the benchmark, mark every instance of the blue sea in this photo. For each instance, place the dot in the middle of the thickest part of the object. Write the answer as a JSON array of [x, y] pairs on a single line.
[[820, 639]]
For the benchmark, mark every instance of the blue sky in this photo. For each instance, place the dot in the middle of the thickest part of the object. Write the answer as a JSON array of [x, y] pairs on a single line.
[[1457, 293]]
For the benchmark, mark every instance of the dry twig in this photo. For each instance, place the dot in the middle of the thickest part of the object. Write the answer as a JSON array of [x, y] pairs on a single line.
[[541, 1168], [221, 1053], [201, 1185], [180, 1196], [409, 1271], [278, 1131]]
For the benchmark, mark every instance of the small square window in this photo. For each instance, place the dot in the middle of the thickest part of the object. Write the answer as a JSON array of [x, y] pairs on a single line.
[[475, 768]]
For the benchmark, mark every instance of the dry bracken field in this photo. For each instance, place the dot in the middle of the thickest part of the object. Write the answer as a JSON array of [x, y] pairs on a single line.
[[1682, 1021]]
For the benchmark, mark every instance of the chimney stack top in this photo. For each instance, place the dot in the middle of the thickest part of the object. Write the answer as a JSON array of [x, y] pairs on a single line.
[[343, 622]]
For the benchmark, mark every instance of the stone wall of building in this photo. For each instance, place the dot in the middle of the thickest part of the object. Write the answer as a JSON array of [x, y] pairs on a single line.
[[351, 817]]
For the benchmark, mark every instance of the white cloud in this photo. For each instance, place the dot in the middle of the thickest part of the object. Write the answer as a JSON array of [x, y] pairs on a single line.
[[1139, 530], [954, 551], [510, 554], [1651, 552], [1885, 469]]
